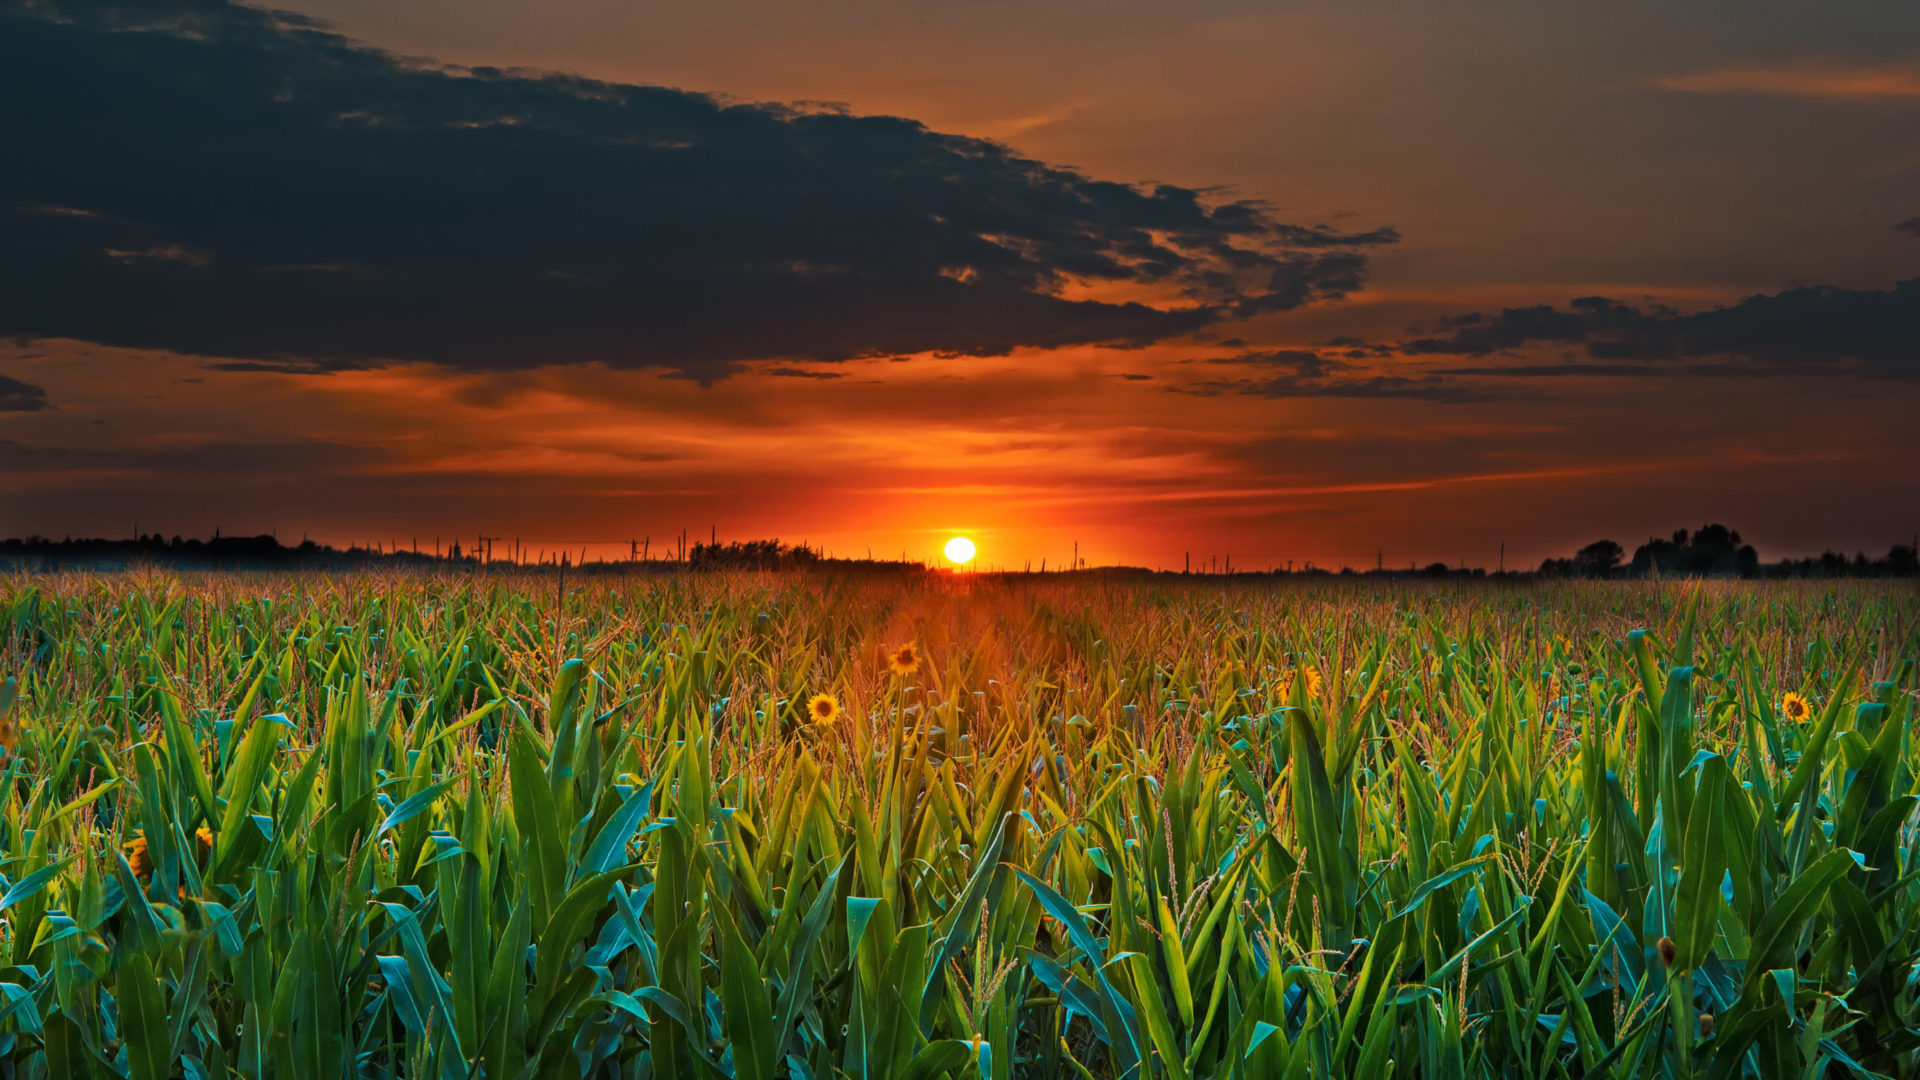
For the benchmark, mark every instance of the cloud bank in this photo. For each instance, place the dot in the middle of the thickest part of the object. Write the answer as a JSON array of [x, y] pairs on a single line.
[[228, 182], [1875, 333]]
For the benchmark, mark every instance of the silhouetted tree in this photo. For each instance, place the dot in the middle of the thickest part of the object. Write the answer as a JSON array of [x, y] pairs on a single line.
[[1902, 560], [1711, 551], [1599, 558]]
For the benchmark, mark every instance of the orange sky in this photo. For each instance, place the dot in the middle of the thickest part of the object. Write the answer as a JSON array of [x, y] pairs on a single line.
[[1666, 160], [1027, 454]]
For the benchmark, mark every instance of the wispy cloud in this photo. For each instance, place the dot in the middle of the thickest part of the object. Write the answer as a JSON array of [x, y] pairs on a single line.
[[1831, 82], [1309, 373]]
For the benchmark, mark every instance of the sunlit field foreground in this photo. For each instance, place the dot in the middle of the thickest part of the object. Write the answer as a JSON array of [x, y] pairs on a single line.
[[762, 826]]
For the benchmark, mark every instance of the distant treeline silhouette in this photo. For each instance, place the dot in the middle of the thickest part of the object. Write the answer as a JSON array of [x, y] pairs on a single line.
[[1717, 551], [268, 553], [753, 555], [1710, 551]]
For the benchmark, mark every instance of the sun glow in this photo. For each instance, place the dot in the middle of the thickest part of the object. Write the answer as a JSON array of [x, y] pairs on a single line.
[[960, 551]]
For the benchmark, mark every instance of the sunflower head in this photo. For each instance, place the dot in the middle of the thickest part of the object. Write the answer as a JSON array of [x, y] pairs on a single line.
[[1313, 681], [205, 835], [136, 850], [9, 733], [1795, 708], [904, 660], [823, 709]]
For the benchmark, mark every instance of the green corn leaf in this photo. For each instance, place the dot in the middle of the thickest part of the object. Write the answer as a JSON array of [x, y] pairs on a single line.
[[143, 1020], [1697, 900]]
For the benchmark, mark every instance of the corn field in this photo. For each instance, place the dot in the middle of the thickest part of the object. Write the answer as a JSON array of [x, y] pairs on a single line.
[[755, 826]]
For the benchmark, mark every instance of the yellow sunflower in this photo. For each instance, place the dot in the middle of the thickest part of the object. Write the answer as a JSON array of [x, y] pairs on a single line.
[[1313, 681], [136, 850], [823, 709], [905, 660], [205, 836], [1795, 708]]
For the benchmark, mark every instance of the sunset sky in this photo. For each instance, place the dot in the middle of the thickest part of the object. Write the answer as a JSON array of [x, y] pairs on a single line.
[[1285, 281]]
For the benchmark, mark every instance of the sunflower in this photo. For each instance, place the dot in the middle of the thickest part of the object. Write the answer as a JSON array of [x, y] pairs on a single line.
[[823, 709], [905, 660], [205, 836], [9, 734], [1795, 707], [136, 849], [1313, 681]]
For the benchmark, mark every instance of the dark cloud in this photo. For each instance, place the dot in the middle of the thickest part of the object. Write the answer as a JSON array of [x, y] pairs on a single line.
[[1812, 328], [1911, 227], [802, 373], [1302, 373], [17, 396], [235, 183], [1303, 362], [1635, 370]]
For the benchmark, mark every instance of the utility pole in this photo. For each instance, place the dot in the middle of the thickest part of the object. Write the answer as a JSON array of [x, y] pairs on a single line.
[[1503, 556]]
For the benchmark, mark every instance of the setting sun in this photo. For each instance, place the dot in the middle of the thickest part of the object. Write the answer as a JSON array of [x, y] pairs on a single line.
[[959, 551]]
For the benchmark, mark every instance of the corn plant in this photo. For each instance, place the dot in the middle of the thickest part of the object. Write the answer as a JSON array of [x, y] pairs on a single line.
[[725, 826]]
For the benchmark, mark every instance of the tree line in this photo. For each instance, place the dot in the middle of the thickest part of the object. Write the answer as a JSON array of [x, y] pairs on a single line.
[[1717, 551]]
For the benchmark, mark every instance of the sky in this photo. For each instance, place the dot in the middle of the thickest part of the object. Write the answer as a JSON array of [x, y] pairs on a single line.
[[1340, 284]]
